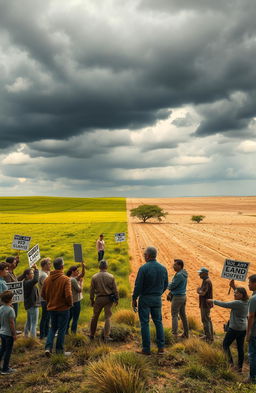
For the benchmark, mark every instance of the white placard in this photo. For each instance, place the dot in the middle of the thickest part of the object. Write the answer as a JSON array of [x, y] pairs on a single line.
[[33, 255], [17, 290], [21, 242], [120, 237], [235, 270]]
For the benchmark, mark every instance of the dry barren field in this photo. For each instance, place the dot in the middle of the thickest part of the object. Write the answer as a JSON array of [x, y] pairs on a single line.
[[228, 231]]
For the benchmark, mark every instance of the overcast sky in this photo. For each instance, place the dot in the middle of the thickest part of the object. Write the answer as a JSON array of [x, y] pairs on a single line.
[[127, 98]]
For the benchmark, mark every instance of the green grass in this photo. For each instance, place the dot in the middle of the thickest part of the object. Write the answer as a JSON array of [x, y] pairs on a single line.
[[56, 223]]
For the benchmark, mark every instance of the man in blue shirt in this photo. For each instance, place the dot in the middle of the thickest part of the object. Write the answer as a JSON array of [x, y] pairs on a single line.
[[150, 284], [178, 287]]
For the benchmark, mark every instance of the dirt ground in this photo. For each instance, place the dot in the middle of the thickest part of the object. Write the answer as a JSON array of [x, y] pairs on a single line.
[[228, 231]]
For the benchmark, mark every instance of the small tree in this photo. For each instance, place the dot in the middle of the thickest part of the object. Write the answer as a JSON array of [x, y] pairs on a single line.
[[197, 218], [145, 212]]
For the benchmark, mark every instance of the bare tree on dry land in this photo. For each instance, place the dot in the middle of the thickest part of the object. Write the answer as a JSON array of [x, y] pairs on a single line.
[[197, 219], [145, 212]]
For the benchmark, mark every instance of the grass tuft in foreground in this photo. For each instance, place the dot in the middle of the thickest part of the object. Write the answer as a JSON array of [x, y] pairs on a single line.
[[127, 317]]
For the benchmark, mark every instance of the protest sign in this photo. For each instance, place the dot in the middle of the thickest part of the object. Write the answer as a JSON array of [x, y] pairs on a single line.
[[21, 242], [120, 237], [235, 270], [78, 252], [33, 255], [17, 290]]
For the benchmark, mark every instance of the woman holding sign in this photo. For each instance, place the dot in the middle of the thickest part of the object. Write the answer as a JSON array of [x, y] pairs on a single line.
[[236, 327], [77, 295], [31, 300]]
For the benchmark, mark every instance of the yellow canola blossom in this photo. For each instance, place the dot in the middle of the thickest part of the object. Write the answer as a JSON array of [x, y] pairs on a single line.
[[64, 217]]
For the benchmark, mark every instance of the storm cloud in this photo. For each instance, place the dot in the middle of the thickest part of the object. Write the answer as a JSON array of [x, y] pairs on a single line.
[[108, 94]]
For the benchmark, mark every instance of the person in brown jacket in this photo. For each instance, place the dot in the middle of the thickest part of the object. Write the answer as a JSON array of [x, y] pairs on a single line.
[[205, 292], [56, 291], [103, 286]]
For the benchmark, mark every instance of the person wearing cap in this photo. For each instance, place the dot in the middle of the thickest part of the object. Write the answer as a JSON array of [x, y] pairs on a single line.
[[205, 292]]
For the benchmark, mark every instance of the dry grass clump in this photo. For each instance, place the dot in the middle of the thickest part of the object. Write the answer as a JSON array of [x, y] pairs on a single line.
[[178, 347], [193, 323], [76, 341], [91, 352], [39, 378], [127, 317], [168, 337], [212, 357], [133, 361], [196, 371], [121, 333], [195, 345], [25, 343], [106, 376], [58, 364]]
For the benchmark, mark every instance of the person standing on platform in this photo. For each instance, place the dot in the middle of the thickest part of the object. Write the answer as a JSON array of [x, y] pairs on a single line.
[[205, 292], [100, 246], [150, 284]]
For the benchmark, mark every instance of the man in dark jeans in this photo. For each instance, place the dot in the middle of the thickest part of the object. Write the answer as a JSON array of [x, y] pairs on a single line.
[[150, 284], [45, 316], [100, 246], [57, 293]]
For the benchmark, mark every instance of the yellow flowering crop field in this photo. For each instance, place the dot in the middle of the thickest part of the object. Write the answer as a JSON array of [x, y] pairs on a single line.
[[56, 223]]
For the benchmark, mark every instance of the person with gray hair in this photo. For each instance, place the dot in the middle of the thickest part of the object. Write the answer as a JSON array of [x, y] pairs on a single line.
[[103, 294], [150, 284]]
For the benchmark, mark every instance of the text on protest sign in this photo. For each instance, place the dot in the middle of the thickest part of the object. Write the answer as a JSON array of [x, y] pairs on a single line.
[[33, 255], [21, 242], [17, 290], [120, 237], [78, 252], [235, 270]]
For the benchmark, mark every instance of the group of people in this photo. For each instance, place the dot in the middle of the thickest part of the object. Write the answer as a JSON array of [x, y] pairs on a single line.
[[59, 295], [152, 281]]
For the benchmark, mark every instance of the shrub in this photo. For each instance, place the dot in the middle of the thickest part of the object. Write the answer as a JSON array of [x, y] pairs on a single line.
[[197, 218], [121, 333], [196, 371], [127, 317], [133, 361], [107, 377], [58, 363], [122, 292]]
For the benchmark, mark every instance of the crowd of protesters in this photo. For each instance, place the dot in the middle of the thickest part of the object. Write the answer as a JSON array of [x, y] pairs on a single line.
[[59, 295]]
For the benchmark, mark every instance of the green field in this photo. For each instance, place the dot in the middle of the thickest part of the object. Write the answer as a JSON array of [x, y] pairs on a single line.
[[56, 223]]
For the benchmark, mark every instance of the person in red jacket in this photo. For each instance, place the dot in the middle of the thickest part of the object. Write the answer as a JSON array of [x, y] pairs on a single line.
[[57, 293]]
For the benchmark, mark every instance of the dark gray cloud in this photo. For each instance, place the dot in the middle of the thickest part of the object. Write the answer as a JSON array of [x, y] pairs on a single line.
[[73, 69]]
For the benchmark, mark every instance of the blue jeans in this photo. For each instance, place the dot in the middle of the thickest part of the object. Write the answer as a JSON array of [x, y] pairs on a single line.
[[239, 336], [45, 320], [156, 314], [6, 350], [59, 323], [252, 358], [74, 316], [31, 323]]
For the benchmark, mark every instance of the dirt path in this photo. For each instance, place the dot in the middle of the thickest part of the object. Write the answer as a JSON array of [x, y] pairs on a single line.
[[228, 231]]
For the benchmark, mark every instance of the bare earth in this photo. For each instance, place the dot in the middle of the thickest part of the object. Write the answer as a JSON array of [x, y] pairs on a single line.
[[228, 231]]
